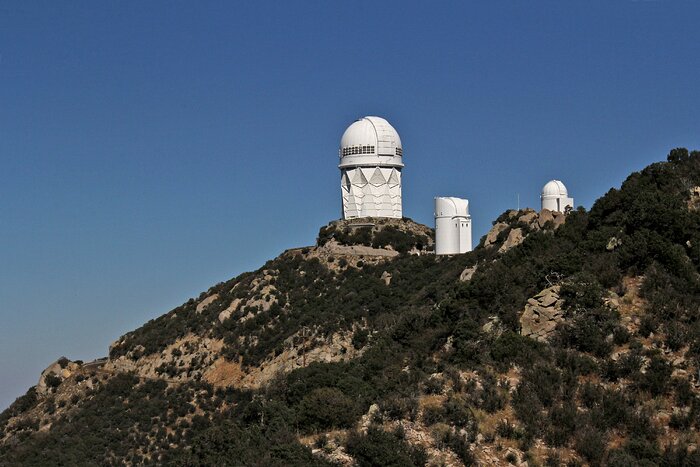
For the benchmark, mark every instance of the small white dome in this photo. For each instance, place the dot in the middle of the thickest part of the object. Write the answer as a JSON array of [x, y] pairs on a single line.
[[554, 188], [371, 135]]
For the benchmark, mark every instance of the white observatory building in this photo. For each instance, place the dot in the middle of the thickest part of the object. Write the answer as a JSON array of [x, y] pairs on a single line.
[[453, 226], [555, 197], [370, 169]]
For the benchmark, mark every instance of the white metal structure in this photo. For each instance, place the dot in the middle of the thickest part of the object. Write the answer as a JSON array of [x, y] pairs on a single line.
[[555, 197], [453, 226], [370, 169]]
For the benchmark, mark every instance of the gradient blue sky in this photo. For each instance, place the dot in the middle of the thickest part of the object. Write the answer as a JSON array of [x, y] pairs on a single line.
[[151, 149]]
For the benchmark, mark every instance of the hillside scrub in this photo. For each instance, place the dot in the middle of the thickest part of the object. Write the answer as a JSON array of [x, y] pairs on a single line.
[[592, 392]]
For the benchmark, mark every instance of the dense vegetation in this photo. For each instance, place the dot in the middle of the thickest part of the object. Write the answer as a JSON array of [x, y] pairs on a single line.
[[422, 330]]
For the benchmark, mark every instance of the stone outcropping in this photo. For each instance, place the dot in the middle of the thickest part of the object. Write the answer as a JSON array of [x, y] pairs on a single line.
[[201, 306], [694, 199], [542, 314], [386, 277], [518, 224], [515, 238], [492, 236], [467, 274], [55, 373]]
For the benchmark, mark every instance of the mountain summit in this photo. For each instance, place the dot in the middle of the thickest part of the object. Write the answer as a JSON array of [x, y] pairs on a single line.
[[559, 340]]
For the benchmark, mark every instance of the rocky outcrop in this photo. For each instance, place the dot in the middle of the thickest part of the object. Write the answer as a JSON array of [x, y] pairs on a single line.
[[226, 314], [55, 373], [519, 224], [613, 243], [467, 274], [515, 238], [542, 314], [185, 359], [492, 236], [386, 277], [201, 306], [299, 351], [334, 248], [262, 296], [492, 326], [694, 199]]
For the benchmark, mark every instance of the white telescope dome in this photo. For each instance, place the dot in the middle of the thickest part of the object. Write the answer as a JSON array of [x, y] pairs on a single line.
[[555, 197], [554, 188], [371, 140]]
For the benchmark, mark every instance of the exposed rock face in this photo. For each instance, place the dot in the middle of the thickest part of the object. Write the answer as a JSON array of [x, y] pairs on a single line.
[[520, 224], [694, 200], [492, 326], [55, 373], [201, 306], [334, 248], [263, 296], [299, 351], [386, 277], [467, 274], [226, 314], [515, 238], [367, 418], [544, 217], [528, 217], [493, 233], [542, 314], [613, 243], [181, 354]]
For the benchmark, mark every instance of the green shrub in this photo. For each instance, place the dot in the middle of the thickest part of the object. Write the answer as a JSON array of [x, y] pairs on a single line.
[[657, 376], [52, 381], [326, 408], [396, 407], [590, 444], [379, 448], [433, 413]]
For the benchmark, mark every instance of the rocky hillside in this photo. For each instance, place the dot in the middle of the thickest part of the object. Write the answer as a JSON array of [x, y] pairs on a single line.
[[561, 340]]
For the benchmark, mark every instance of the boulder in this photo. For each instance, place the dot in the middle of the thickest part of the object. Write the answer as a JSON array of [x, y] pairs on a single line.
[[528, 217], [226, 314], [694, 199], [467, 274], [613, 243], [492, 326], [368, 418], [55, 373], [541, 315], [515, 238], [493, 233], [386, 277], [201, 306], [559, 218], [544, 217]]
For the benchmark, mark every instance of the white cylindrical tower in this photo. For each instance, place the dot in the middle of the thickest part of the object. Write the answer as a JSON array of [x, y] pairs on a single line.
[[555, 197], [370, 169], [453, 226]]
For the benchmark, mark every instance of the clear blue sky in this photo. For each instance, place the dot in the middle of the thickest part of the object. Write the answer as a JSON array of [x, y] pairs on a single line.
[[151, 149]]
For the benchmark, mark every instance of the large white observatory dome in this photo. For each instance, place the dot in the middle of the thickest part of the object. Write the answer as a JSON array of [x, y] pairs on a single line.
[[554, 188], [370, 140], [370, 169], [555, 197]]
